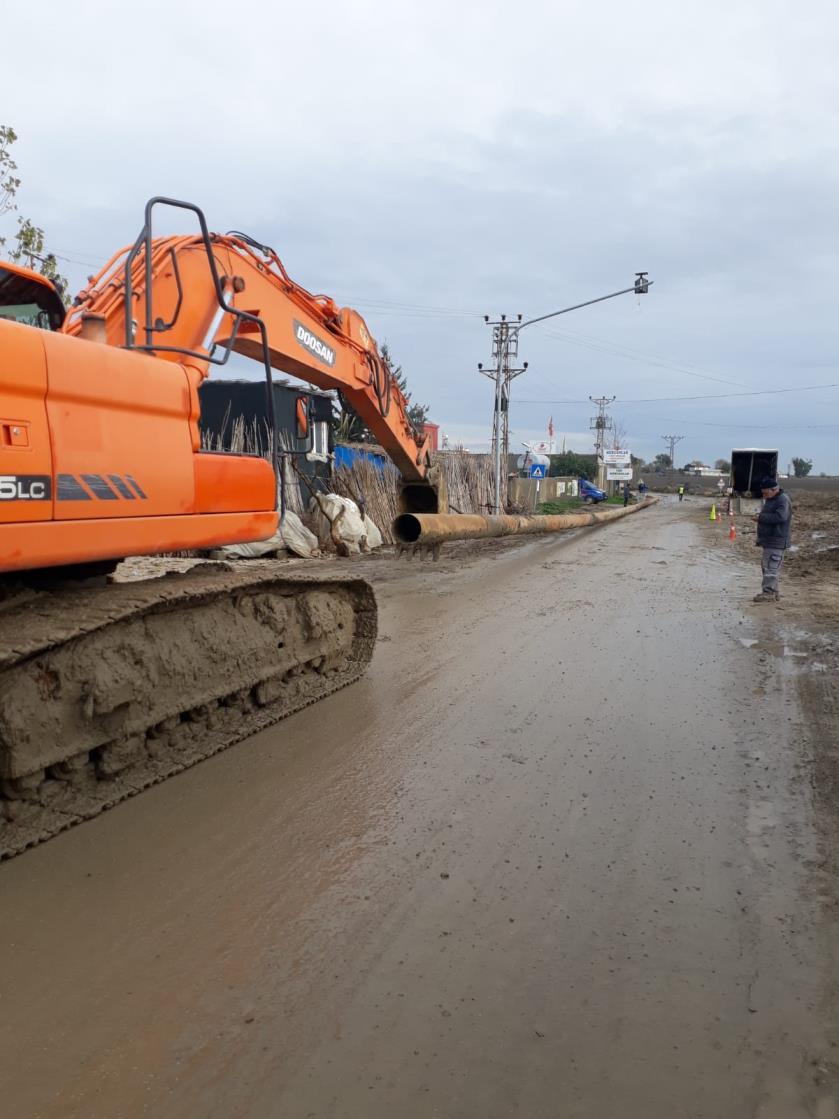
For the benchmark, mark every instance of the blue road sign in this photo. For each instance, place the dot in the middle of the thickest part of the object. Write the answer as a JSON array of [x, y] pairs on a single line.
[[537, 470]]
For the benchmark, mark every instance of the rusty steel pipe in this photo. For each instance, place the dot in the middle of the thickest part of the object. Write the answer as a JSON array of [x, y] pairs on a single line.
[[438, 528]]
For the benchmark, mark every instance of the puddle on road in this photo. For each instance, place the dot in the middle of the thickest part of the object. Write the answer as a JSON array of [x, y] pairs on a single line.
[[795, 648], [774, 648]]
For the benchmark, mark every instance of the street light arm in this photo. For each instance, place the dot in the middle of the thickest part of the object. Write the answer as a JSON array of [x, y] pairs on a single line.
[[624, 291]]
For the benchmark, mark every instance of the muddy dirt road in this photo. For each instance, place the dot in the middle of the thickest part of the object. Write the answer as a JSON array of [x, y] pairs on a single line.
[[556, 856]]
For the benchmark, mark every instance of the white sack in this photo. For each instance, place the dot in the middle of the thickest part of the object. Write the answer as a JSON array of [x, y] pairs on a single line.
[[291, 534], [339, 519]]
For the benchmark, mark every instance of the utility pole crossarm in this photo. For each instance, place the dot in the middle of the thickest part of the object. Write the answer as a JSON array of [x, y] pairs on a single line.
[[671, 441]]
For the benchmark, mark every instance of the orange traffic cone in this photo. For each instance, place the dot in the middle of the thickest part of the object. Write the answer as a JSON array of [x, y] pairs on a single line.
[[732, 532]]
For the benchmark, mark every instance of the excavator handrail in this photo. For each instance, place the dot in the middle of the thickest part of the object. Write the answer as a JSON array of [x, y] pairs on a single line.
[[144, 242]]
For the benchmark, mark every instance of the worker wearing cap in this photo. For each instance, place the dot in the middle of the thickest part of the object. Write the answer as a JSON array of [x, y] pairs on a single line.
[[774, 524]]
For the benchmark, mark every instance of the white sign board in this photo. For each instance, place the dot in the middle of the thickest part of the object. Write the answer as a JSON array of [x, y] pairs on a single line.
[[619, 474], [617, 458], [541, 447]]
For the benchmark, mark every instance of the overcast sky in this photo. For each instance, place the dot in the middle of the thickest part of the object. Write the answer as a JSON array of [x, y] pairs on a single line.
[[430, 162]]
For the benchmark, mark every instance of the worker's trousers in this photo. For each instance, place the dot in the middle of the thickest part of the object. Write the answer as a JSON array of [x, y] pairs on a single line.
[[771, 562]]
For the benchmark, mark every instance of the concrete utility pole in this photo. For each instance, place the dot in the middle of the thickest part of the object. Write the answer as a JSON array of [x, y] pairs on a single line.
[[505, 348], [671, 441], [600, 424]]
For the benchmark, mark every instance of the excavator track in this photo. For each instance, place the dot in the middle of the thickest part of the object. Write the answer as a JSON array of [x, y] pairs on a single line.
[[107, 690]]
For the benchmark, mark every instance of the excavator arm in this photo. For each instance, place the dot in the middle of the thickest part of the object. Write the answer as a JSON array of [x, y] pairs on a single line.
[[196, 299]]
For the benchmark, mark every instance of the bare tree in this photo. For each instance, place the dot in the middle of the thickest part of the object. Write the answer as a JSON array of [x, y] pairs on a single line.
[[28, 245]]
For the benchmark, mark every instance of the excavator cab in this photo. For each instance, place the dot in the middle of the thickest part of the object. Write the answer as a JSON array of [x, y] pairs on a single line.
[[29, 298]]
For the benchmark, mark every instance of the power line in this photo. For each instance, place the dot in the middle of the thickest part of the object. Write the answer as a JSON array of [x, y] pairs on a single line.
[[763, 427], [614, 349], [361, 301], [707, 396], [72, 257], [638, 356]]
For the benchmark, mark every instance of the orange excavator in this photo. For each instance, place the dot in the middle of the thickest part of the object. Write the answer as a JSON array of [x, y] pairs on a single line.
[[109, 686]]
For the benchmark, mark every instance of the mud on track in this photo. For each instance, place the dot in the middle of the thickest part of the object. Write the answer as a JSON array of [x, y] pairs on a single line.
[[557, 854], [107, 690]]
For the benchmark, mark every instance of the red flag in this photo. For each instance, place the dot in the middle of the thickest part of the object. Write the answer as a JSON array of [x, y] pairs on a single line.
[[551, 428]]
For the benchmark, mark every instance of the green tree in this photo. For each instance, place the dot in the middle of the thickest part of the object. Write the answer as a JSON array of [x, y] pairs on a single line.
[[662, 461], [417, 413], [723, 465], [28, 240], [802, 467], [571, 465], [9, 182], [29, 250], [349, 426]]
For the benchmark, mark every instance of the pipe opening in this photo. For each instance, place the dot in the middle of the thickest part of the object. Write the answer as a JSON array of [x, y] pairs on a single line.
[[419, 497], [406, 528]]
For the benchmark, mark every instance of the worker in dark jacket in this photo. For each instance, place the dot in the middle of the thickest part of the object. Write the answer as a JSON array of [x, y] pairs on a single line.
[[774, 524]]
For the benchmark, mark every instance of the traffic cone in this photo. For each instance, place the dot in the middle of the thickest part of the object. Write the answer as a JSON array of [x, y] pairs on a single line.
[[713, 512], [732, 531]]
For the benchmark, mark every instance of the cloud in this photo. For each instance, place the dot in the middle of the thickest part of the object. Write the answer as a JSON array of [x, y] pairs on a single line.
[[412, 156]]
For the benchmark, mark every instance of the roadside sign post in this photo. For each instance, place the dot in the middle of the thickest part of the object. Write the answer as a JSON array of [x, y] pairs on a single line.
[[538, 470]]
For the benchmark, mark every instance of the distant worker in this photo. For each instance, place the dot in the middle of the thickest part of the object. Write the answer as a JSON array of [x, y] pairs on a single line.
[[681, 492], [642, 490], [625, 494], [774, 526]]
